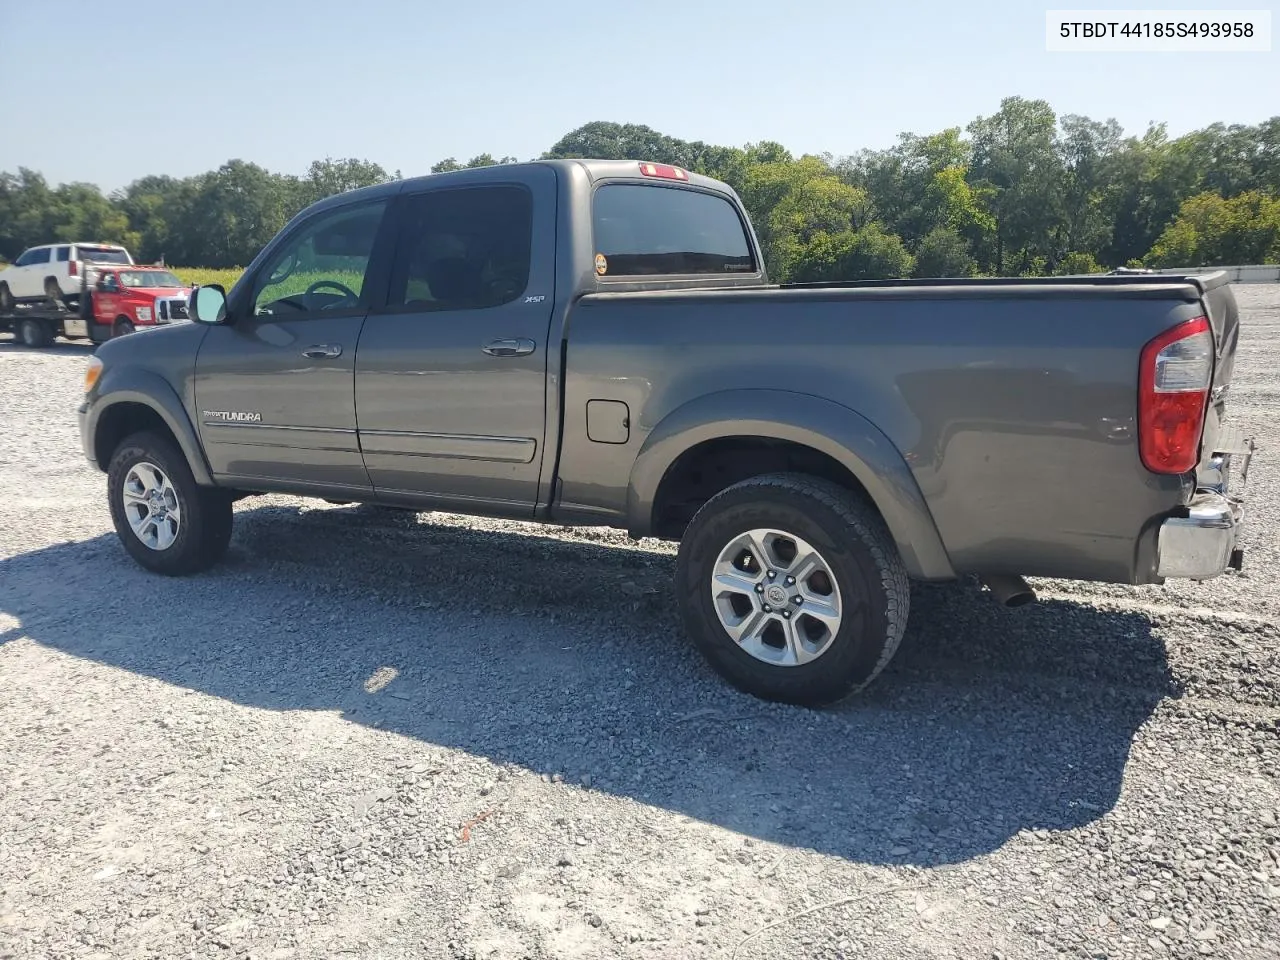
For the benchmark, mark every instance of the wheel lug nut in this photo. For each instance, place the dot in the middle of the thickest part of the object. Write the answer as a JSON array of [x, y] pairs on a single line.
[[786, 614], [759, 588], [797, 600], [790, 581], [772, 574], [768, 609]]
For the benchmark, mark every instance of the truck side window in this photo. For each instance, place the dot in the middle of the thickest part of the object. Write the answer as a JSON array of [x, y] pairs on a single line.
[[64, 254], [463, 249], [32, 257], [322, 267], [645, 230]]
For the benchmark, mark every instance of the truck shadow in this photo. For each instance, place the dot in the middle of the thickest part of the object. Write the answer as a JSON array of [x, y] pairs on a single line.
[[566, 658]]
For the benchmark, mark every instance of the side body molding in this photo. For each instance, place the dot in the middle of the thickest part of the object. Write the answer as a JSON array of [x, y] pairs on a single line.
[[142, 387], [829, 427]]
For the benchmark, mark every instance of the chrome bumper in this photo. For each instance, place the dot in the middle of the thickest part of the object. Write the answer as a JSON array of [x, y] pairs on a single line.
[[1203, 544]]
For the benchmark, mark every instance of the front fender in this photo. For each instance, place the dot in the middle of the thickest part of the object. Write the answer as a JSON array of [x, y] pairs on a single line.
[[831, 428], [140, 386]]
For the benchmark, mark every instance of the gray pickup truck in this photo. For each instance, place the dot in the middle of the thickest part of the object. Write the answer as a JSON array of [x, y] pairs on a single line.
[[596, 343]]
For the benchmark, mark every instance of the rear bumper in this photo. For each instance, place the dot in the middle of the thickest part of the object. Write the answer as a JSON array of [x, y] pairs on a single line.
[[1205, 542]]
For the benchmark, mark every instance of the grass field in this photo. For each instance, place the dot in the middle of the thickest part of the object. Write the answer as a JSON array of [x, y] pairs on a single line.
[[203, 275], [291, 286]]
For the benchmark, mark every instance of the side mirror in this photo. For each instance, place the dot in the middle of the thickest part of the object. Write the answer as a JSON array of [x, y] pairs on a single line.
[[209, 304]]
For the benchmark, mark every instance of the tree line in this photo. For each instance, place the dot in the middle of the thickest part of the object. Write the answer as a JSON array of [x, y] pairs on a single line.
[[1022, 192]]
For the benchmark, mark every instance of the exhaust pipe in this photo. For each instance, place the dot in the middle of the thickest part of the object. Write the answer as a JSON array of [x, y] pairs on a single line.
[[1009, 590]]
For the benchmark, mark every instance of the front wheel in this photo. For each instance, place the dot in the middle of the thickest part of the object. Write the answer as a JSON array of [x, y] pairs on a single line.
[[122, 328], [6, 299], [167, 522], [792, 588]]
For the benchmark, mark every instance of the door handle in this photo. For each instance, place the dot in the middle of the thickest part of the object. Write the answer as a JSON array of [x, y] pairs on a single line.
[[514, 347], [323, 351]]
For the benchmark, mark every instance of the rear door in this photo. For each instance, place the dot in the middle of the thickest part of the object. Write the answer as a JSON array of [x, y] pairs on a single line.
[[274, 389], [451, 376], [62, 269]]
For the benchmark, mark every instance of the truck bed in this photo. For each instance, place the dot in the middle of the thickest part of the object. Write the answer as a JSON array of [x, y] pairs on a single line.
[[998, 396]]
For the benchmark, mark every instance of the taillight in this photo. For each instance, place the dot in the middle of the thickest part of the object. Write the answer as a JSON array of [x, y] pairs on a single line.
[[72, 268], [664, 171], [1173, 388]]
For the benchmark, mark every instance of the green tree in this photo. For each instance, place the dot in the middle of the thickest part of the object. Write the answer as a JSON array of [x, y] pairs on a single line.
[[26, 204], [487, 160], [1211, 231], [449, 164], [1077, 263], [328, 177], [943, 253], [1087, 148], [233, 213], [867, 254], [1022, 193], [1015, 157], [79, 211], [793, 202]]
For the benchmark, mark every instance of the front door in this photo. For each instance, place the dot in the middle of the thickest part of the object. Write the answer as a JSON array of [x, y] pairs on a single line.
[[274, 388], [451, 376], [106, 299]]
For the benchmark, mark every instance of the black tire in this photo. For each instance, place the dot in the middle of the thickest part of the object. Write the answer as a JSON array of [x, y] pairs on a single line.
[[122, 328], [6, 299], [35, 333], [52, 291], [856, 546], [206, 514]]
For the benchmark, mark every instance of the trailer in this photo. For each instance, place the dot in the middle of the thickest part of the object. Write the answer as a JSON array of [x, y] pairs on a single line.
[[108, 305], [39, 324]]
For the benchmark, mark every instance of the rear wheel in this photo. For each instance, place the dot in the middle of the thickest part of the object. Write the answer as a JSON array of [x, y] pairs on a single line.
[[35, 333], [792, 588], [167, 522], [123, 327], [52, 291]]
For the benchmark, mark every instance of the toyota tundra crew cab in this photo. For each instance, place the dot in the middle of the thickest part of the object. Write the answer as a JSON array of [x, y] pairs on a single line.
[[596, 343]]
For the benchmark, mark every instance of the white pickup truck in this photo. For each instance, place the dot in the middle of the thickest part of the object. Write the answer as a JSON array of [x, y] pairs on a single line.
[[54, 271]]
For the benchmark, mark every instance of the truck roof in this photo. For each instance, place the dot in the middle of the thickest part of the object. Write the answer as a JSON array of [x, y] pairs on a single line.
[[78, 243], [595, 170]]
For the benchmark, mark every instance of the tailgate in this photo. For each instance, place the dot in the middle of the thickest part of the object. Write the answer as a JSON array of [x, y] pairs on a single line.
[[1220, 441]]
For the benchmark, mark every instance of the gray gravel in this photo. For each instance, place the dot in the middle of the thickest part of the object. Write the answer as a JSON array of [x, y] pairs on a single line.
[[382, 735]]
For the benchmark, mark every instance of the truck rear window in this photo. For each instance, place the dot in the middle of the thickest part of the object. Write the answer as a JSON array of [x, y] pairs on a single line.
[[643, 230]]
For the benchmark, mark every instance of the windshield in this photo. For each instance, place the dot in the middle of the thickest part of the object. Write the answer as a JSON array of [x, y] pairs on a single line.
[[149, 278], [103, 254]]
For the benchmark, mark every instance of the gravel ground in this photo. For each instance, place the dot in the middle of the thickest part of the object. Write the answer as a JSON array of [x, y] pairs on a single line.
[[378, 735]]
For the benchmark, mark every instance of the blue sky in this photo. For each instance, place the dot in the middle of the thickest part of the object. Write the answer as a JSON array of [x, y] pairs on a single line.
[[186, 86]]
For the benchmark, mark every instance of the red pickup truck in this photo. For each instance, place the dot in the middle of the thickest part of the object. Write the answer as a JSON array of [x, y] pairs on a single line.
[[114, 301]]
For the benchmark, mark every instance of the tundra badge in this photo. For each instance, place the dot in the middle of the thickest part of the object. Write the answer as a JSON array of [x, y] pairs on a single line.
[[233, 416]]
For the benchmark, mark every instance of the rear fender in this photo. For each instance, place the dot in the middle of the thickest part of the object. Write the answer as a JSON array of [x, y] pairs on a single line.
[[835, 430]]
